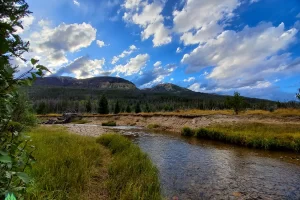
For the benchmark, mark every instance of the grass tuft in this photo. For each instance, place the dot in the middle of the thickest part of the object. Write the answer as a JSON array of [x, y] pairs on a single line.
[[65, 164], [186, 131], [109, 123], [131, 173], [153, 126]]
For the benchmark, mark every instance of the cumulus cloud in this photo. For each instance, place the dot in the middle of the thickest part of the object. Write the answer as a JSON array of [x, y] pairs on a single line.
[[149, 18], [245, 57], [100, 43], [83, 67], [134, 65], [52, 44], [125, 53], [26, 23], [157, 64], [178, 50], [205, 19], [156, 75], [190, 79], [76, 3]]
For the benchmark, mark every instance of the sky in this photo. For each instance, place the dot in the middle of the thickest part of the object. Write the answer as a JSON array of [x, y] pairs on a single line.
[[211, 46]]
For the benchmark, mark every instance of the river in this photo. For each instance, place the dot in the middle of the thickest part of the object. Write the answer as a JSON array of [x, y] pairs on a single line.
[[201, 169]]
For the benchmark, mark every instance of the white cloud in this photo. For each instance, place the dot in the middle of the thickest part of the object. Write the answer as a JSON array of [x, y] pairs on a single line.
[[196, 87], [245, 57], [148, 17], [125, 53], [134, 65], [100, 43], [178, 50], [51, 45], [254, 1], [298, 16], [157, 64], [26, 23], [156, 75], [76, 3], [190, 79], [83, 67], [201, 20]]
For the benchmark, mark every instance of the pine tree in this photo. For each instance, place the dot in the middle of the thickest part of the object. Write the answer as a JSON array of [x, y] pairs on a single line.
[[147, 108], [117, 108], [88, 106], [103, 105], [128, 109], [138, 108]]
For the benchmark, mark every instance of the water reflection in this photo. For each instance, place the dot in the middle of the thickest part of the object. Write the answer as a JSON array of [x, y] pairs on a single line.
[[191, 169]]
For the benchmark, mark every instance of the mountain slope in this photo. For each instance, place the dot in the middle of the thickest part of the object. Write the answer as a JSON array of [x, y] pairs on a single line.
[[104, 82]]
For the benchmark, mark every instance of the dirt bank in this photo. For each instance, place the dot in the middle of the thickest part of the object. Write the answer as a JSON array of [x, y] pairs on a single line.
[[175, 123]]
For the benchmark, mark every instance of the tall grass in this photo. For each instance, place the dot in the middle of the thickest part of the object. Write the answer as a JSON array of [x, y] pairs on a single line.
[[131, 173], [257, 135], [65, 164]]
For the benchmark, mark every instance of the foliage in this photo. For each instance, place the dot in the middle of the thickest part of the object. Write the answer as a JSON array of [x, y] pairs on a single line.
[[65, 164], [117, 108], [236, 102], [103, 105], [153, 126], [88, 106], [131, 173], [137, 108], [186, 131], [128, 109], [298, 94], [13, 157], [109, 123]]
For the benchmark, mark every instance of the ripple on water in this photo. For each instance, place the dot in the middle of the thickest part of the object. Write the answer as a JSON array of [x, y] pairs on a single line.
[[206, 171]]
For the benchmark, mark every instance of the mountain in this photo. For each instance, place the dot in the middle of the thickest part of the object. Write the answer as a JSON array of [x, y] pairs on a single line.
[[104, 82], [168, 87]]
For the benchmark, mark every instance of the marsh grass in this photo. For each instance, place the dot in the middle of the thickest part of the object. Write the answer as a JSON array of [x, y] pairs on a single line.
[[80, 121], [131, 173], [109, 123], [153, 126], [256, 135], [186, 131], [65, 164]]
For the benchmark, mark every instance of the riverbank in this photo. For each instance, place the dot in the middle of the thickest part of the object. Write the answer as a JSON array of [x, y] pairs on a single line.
[[71, 166], [254, 135]]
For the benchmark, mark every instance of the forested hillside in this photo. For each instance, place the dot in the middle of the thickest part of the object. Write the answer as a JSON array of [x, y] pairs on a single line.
[[64, 94]]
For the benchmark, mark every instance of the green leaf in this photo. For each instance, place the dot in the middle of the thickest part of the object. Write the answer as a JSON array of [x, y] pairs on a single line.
[[5, 159], [3, 153], [34, 61], [10, 197], [41, 67], [24, 177]]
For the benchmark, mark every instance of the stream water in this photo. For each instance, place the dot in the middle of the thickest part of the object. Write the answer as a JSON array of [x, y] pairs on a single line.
[[201, 169]]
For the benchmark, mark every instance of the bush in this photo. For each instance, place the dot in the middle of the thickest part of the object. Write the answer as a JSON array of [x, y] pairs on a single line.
[[186, 131], [153, 126], [109, 123]]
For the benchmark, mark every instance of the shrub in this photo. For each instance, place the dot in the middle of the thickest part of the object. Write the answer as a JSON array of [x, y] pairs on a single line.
[[153, 126], [109, 123], [186, 131]]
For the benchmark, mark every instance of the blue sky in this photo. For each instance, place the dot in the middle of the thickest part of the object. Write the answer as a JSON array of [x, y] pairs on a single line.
[[212, 46]]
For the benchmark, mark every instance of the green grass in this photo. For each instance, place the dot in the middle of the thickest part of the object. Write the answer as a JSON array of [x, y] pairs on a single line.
[[131, 173], [153, 126], [65, 164], [109, 123], [186, 131], [255, 135]]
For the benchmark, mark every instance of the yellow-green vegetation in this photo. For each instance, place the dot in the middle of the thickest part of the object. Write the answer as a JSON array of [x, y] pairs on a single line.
[[256, 135], [186, 131], [153, 126], [109, 123], [131, 173], [65, 164]]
